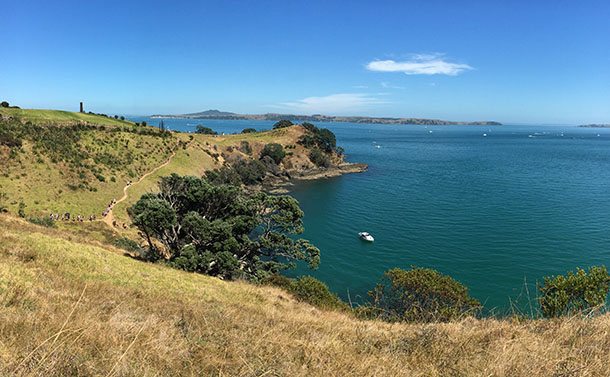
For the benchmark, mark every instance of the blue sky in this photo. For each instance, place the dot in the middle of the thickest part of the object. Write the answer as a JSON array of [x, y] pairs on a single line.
[[512, 61]]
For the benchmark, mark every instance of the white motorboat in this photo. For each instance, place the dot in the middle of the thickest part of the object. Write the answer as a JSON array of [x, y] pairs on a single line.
[[365, 236]]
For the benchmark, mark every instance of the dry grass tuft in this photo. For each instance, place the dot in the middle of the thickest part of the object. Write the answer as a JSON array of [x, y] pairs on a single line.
[[74, 307]]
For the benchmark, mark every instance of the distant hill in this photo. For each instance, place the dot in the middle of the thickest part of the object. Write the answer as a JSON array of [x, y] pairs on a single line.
[[216, 114], [595, 125], [210, 113]]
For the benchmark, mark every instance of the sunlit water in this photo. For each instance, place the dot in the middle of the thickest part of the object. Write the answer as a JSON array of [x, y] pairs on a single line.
[[492, 211]]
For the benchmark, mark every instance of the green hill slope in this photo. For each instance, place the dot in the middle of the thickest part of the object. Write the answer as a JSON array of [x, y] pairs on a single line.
[[59, 116]]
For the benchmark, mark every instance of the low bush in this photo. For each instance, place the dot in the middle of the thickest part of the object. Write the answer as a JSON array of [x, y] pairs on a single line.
[[420, 295], [319, 158], [248, 130], [200, 129], [275, 151], [245, 147], [128, 245], [574, 293], [43, 221], [308, 289]]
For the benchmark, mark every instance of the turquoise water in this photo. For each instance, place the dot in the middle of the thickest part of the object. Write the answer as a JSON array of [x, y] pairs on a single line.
[[492, 211]]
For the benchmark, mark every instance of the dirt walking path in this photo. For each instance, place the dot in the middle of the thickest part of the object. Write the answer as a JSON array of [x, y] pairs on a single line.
[[109, 218]]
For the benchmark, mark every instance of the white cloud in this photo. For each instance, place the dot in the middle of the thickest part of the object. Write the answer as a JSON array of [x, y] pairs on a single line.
[[419, 64], [334, 103]]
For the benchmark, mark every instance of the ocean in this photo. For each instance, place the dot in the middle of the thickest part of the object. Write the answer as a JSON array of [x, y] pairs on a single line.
[[497, 208]]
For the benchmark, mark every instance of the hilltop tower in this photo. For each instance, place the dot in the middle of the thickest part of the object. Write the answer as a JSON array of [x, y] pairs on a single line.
[[81, 108]]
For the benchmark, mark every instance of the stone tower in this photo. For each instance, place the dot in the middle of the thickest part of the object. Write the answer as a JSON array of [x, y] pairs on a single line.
[[81, 108]]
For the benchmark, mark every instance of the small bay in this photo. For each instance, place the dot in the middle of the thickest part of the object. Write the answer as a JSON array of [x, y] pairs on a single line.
[[493, 207]]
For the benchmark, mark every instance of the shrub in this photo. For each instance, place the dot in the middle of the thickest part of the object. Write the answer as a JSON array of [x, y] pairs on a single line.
[[21, 210], [315, 292], [307, 289], [143, 123], [319, 158], [248, 130], [3, 205], [200, 129], [43, 221], [250, 172], [420, 295], [283, 124], [275, 151], [575, 292], [309, 127], [4, 104], [322, 138], [245, 147], [128, 245]]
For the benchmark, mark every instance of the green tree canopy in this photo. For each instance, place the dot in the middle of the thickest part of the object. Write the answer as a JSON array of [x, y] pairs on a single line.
[[421, 295], [282, 124], [275, 151], [221, 230], [201, 129], [319, 158], [248, 130], [322, 138], [248, 172], [4, 104]]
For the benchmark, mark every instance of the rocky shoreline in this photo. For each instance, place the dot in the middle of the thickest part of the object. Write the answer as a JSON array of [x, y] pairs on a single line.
[[282, 186]]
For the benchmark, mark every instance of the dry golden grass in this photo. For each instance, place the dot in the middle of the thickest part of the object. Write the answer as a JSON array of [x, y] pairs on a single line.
[[71, 306]]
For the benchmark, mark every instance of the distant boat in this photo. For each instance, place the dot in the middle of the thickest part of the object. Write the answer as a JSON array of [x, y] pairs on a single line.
[[365, 236], [484, 134]]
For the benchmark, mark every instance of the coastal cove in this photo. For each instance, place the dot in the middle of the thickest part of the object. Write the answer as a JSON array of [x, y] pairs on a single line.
[[492, 211]]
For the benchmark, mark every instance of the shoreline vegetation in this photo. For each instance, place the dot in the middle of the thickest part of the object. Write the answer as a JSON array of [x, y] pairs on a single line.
[[223, 115]]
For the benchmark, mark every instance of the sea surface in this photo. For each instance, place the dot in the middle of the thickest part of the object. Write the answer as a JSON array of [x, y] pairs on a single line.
[[497, 208]]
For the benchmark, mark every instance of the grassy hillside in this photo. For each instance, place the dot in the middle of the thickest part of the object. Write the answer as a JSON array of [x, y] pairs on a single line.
[[58, 116], [74, 168], [57, 161], [71, 306]]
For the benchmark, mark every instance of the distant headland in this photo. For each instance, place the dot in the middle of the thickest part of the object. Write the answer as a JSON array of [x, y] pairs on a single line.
[[216, 114], [595, 125]]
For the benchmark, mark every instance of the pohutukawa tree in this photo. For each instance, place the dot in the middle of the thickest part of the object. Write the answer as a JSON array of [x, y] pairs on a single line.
[[222, 230]]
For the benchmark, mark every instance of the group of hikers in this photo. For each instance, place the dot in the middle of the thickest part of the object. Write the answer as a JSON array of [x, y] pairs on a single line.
[[109, 208], [67, 217]]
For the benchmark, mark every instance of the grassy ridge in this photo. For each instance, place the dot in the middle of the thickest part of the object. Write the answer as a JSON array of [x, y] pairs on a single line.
[[82, 169], [70, 306], [58, 116]]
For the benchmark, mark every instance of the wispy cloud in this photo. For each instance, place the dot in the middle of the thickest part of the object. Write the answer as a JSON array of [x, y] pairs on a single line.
[[334, 103], [360, 87], [420, 64], [387, 85]]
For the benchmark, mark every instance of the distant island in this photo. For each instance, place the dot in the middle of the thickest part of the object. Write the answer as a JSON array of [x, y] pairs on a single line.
[[216, 114], [595, 125]]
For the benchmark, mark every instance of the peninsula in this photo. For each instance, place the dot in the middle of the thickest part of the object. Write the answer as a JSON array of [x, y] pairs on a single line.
[[216, 114]]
